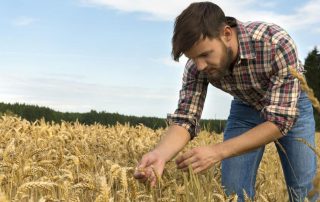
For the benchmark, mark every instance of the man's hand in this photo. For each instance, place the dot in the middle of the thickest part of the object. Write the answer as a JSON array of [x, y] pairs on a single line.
[[175, 138], [150, 163], [200, 158]]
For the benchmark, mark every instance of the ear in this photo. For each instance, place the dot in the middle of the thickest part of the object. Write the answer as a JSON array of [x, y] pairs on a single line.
[[227, 33]]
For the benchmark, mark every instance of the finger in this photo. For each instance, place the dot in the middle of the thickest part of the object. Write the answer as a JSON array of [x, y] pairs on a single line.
[[153, 180], [140, 171], [158, 169], [146, 176], [143, 163], [184, 164], [148, 172], [143, 180], [142, 176], [139, 175], [198, 169], [193, 166], [156, 174], [184, 156]]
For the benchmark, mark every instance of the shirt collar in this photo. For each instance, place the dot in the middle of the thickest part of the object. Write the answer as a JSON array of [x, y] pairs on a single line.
[[245, 45]]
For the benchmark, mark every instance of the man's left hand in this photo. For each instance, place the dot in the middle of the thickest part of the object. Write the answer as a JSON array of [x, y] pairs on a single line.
[[200, 158]]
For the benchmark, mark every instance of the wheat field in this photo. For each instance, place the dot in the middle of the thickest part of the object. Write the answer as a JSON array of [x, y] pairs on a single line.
[[43, 161]]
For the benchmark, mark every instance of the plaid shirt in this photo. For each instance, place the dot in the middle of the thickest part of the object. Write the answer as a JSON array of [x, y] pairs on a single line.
[[260, 78]]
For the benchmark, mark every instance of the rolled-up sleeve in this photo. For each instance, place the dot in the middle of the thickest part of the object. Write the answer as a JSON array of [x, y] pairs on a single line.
[[191, 100], [284, 89]]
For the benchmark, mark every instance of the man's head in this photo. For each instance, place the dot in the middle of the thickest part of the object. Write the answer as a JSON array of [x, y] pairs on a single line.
[[201, 33]]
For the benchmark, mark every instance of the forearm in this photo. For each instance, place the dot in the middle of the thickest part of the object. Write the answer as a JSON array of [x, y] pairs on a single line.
[[175, 138], [260, 135]]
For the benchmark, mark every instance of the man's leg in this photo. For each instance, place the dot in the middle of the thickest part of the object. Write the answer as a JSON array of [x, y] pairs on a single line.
[[239, 173], [299, 162]]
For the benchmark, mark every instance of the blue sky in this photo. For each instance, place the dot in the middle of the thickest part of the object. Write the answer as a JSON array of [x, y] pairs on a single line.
[[114, 55]]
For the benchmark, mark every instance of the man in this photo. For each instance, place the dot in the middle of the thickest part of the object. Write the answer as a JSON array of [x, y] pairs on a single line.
[[251, 62]]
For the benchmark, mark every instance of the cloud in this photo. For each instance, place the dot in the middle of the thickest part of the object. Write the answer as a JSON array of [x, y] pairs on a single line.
[[269, 4], [305, 16], [156, 9], [317, 30], [246, 10], [167, 10], [23, 21]]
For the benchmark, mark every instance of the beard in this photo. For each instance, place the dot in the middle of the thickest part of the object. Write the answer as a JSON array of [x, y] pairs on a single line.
[[218, 72]]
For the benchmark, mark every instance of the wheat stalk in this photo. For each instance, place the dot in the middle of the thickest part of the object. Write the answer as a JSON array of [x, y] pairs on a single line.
[[306, 88], [64, 162]]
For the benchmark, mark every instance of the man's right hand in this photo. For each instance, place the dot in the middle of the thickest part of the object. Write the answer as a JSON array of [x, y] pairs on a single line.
[[175, 138], [150, 162]]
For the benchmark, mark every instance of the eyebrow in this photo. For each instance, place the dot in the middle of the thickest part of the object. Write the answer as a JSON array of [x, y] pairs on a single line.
[[201, 54], [205, 53]]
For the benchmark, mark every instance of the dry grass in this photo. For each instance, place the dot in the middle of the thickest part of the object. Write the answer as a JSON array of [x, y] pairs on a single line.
[[73, 162]]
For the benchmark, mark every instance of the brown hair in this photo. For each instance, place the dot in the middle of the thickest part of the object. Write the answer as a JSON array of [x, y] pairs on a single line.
[[202, 19]]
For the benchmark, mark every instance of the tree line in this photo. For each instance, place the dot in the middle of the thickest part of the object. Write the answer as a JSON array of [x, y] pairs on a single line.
[[312, 67]]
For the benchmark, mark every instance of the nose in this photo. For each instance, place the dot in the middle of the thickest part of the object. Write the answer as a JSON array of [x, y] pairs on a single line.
[[201, 64]]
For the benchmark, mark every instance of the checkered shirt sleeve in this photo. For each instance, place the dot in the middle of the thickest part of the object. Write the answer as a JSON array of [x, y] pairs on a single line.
[[284, 89], [191, 100]]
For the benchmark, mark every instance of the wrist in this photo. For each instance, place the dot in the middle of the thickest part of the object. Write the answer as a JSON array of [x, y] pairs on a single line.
[[220, 151], [160, 154]]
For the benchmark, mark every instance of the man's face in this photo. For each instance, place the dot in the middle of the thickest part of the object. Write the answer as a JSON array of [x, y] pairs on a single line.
[[211, 56]]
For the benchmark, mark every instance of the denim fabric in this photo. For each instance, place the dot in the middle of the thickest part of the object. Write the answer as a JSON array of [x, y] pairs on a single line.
[[299, 166]]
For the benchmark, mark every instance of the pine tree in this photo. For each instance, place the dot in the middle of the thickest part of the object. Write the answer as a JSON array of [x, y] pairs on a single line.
[[312, 66]]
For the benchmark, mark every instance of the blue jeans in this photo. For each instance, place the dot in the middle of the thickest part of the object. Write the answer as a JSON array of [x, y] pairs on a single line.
[[239, 173]]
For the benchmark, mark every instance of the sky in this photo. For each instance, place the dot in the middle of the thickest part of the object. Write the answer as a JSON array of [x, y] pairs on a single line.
[[115, 55]]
